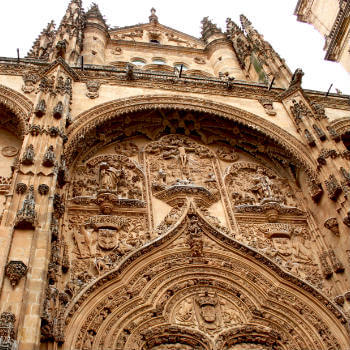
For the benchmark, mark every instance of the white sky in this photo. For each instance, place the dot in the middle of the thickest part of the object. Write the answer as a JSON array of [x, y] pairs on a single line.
[[299, 44]]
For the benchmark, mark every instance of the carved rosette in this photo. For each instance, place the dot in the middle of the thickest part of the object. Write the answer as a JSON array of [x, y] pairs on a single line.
[[14, 271]]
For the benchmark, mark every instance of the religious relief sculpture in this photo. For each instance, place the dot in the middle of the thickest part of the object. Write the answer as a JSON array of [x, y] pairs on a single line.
[[181, 167], [253, 188], [288, 245], [109, 181]]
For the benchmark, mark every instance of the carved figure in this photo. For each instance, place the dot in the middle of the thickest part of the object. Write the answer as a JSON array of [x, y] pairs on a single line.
[[185, 312], [107, 238], [109, 177]]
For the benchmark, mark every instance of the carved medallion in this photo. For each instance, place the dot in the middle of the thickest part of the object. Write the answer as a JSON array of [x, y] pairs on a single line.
[[9, 151]]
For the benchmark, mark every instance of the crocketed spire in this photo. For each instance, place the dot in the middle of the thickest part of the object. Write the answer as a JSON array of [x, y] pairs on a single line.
[[209, 28]]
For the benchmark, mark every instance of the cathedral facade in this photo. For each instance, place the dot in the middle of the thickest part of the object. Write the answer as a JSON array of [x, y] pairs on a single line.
[[160, 191]]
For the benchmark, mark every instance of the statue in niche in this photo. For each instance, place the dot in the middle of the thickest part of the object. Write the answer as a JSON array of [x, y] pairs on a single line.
[[109, 177]]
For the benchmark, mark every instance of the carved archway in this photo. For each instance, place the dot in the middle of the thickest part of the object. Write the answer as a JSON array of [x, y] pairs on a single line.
[[197, 287], [85, 123], [18, 106]]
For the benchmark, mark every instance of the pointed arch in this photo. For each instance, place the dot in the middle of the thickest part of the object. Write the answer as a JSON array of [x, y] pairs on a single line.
[[96, 116], [141, 292], [19, 105]]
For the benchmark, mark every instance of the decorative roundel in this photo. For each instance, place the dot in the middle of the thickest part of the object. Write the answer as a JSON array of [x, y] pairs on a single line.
[[9, 151]]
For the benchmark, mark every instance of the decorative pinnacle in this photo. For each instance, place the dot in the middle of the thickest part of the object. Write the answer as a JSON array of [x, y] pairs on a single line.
[[94, 12], [232, 27], [208, 28], [153, 18], [245, 21]]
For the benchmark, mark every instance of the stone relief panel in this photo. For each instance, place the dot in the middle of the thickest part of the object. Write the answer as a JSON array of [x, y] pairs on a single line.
[[289, 245], [207, 312], [180, 167], [250, 184], [99, 242], [109, 181]]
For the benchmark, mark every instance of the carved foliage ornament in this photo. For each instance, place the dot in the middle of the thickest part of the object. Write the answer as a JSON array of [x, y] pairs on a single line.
[[14, 271]]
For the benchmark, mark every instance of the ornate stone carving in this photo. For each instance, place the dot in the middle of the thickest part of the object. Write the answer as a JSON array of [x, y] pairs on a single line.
[[288, 245], [14, 271], [28, 155], [195, 239], [319, 132], [21, 188], [54, 131], [58, 205], [180, 167], [58, 110], [227, 154], [333, 133], [7, 330], [253, 188], [29, 80], [49, 157], [40, 108], [26, 216], [43, 189], [333, 187], [35, 130], [332, 225], [92, 87], [337, 265], [326, 268], [309, 138], [129, 74], [268, 106]]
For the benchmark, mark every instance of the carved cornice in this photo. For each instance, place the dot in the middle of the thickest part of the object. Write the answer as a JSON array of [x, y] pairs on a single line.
[[338, 31], [110, 75], [88, 120], [18, 104]]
